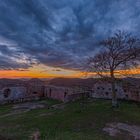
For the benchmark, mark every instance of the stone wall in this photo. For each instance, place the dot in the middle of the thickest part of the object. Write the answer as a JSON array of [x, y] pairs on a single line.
[[104, 90], [21, 94], [35, 91], [11, 94], [54, 92], [123, 91], [77, 96], [65, 94], [132, 92]]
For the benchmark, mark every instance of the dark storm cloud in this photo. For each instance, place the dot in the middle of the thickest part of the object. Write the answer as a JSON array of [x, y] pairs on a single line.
[[12, 59], [61, 33]]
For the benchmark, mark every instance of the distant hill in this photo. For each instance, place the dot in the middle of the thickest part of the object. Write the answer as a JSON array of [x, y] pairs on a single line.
[[133, 81], [35, 81], [69, 82], [19, 82], [89, 82], [64, 82], [11, 82]]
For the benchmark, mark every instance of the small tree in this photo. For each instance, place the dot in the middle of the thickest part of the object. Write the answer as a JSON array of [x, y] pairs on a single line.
[[120, 52]]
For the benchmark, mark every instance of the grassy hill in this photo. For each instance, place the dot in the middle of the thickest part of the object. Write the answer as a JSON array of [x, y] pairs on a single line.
[[74, 121]]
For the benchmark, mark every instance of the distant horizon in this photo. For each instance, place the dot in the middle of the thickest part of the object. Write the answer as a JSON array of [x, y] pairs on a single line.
[[16, 74], [64, 78]]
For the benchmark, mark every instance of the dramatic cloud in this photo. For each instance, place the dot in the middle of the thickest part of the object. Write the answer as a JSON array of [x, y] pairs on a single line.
[[60, 33]]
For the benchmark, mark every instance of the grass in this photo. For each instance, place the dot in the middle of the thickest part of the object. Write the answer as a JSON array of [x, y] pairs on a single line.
[[75, 122]]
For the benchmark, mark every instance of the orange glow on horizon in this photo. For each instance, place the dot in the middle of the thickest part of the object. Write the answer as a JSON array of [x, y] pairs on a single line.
[[42, 71], [119, 73]]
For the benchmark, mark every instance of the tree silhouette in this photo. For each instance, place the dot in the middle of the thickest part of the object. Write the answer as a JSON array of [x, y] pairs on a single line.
[[119, 52]]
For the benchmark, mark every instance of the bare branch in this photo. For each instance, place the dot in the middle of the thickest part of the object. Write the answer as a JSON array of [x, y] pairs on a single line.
[[120, 51]]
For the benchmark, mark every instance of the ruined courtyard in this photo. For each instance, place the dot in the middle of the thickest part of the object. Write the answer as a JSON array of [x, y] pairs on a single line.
[[78, 110], [88, 120]]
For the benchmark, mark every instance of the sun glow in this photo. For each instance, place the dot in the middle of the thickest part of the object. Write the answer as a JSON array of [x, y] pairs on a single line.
[[42, 71]]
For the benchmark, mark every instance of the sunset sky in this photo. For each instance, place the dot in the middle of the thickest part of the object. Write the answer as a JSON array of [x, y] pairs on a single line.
[[54, 38]]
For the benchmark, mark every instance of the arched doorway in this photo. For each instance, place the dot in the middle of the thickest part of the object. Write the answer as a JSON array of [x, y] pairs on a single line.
[[7, 92]]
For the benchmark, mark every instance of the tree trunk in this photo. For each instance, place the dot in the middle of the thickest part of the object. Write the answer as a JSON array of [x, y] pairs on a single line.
[[114, 95]]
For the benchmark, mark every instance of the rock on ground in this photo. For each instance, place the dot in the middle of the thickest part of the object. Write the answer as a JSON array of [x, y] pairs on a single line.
[[35, 135], [115, 129]]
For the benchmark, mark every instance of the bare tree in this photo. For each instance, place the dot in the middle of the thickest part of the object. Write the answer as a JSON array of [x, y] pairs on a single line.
[[120, 52]]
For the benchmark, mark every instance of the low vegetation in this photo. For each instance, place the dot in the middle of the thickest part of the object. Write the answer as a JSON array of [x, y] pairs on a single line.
[[80, 120]]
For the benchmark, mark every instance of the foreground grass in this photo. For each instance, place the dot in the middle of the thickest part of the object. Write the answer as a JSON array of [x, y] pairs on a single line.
[[77, 121]]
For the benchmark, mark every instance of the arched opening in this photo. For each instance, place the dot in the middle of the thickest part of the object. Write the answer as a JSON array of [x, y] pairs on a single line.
[[106, 93], [65, 94], [7, 92], [35, 92], [50, 92]]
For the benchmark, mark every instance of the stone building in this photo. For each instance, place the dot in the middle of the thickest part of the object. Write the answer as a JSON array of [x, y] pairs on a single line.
[[35, 88], [66, 94], [104, 90], [132, 92], [126, 91], [12, 94], [54, 92]]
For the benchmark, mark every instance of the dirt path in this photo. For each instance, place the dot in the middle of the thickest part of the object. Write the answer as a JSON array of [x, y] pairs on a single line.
[[25, 107]]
